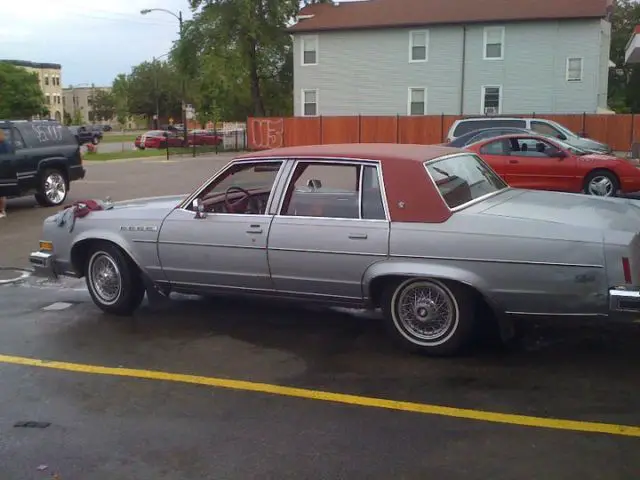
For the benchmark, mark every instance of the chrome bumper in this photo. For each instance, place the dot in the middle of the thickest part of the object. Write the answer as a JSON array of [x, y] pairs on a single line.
[[43, 264], [624, 300]]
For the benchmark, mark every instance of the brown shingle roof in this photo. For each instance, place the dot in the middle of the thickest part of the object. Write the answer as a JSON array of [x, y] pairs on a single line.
[[409, 13]]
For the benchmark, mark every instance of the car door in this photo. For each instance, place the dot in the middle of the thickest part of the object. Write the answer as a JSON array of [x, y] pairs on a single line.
[[8, 164], [532, 164], [495, 153], [225, 245], [331, 226]]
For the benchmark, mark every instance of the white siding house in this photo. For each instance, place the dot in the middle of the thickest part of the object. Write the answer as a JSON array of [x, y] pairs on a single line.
[[345, 64]]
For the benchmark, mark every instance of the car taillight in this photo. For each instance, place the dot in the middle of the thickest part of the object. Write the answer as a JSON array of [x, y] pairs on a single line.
[[626, 268]]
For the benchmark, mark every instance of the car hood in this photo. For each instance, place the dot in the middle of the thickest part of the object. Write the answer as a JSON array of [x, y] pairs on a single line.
[[588, 144], [166, 202], [567, 208]]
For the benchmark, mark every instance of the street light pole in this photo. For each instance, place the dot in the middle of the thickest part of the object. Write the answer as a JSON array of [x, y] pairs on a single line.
[[182, 74]]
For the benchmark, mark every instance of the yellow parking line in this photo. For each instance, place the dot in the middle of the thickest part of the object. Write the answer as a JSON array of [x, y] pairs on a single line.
[[463, 413]]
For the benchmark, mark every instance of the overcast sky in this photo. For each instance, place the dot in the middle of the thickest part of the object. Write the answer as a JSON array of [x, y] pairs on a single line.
[[94, 41]]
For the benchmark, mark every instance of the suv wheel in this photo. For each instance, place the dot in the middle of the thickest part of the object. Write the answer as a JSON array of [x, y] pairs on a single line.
[[53, 188]]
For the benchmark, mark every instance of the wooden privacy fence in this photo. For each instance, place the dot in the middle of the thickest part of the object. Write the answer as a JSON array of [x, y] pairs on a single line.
[[618, 131]]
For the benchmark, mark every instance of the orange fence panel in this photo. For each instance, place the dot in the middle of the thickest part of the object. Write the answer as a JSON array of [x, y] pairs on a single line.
[[426, 130], [378, 129], [265, 133], [617, 130], [340, 129], [301, 131]]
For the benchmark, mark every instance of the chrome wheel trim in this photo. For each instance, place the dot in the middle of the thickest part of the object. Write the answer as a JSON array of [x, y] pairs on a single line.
[[55, 188], [425, 312], [104, 278], [600, 186]]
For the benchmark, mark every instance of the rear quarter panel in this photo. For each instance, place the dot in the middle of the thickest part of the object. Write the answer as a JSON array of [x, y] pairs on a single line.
[[519, 265]]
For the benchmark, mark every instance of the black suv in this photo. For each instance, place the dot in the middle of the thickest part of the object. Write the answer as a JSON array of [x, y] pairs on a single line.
[[87, 133], [41, 157]]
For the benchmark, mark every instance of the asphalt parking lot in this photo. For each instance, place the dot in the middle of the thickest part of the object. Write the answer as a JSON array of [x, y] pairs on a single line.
[[220, 389]]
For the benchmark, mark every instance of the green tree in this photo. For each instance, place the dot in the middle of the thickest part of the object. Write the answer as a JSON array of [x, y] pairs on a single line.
[[77, 119], [103, 104], [120, 91], [624, 80], [20, 94], [151, 84], [237, 57]]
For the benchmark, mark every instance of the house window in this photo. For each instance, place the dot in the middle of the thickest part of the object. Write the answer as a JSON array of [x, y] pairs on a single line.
[[417, 101], [491, 100], [310, 50], [494, 43], [46, 79], [574, 69], [418, 46], [309, 103], [48, 99]]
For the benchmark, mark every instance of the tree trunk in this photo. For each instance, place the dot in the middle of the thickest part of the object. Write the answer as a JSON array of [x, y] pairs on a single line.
[[256, 94]]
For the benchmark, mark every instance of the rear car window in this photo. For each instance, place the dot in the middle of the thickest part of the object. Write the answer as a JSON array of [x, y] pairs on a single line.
[[463, 178], [46, 134], [466, 126]]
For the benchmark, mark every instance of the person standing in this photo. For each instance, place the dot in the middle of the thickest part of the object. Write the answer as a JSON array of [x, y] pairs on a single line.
[[4, 148]]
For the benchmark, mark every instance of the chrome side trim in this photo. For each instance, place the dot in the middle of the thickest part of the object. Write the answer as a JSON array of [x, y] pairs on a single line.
[[142, 240], [209, 245], [493, 260], [545, 314], [328, 252]]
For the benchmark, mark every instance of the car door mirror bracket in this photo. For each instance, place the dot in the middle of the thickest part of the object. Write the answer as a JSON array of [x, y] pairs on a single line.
[[198, 206]]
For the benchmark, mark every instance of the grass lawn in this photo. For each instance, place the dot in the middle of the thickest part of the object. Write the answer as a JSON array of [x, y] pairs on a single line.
[[119, 138], [104, 156]]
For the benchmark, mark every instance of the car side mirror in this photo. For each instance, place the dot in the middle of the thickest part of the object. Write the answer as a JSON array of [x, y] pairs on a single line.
[[559, 154], [198, 206], [561, 136]]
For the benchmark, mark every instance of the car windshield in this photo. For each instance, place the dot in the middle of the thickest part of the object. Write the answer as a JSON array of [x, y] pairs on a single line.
[[573, 149], [464, 178]]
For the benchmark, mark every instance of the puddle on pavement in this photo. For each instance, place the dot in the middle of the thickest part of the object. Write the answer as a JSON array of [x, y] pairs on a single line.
[[13, 275]]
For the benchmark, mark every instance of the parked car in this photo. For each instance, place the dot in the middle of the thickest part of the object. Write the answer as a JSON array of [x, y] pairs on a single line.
[[430, 234], [44, 159], [204, 137], [538, 125], [159, 139], [86, 134], [477, 135], [542, 163]]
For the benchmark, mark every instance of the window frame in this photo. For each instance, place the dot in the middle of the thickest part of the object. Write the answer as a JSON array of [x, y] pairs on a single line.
[[485, 44], [186, 205], [483, 95], [409, 91], [316, 39], [303, 103], [426, 46], [286, 185], [574, 80]]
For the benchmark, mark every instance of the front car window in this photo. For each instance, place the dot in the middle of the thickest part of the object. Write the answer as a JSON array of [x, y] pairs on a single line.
[[244, 188], [463, 178]]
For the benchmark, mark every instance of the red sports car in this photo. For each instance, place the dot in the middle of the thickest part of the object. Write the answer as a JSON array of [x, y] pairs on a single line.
[[204, 137], [158, 139], [542, 163]]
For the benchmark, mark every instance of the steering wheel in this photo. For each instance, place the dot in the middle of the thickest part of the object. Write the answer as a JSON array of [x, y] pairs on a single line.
[[240, 206]]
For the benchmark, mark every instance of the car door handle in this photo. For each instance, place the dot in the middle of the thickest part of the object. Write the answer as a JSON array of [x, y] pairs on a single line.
[[513, 161], [358, 236], [254, 229]]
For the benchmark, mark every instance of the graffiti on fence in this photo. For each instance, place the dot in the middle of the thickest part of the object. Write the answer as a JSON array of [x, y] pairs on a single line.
[[267, 133]]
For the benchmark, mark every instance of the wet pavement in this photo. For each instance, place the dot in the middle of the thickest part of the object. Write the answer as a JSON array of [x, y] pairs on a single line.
[[108, 427], [102, 426]]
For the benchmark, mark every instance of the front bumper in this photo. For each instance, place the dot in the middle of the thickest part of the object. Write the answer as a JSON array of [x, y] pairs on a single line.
[[624, 301]]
